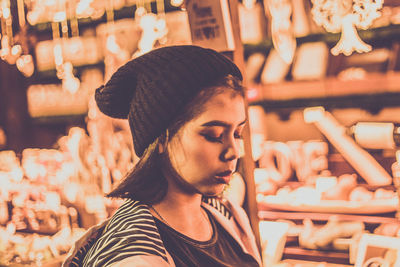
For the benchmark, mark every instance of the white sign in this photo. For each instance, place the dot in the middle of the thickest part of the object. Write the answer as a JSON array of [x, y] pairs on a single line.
[[210, 24]]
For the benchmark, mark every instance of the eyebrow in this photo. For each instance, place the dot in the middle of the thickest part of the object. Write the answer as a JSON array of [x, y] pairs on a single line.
[[221, 123]]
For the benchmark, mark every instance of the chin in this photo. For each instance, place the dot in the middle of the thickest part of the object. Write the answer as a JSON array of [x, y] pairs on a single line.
[[213, 192]]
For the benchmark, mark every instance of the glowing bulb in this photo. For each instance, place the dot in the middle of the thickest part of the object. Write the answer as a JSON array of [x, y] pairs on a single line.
[[53, 200], [10, 228], [71, 192], [111, 44], [58, 54], [17, 174], [59, 16], [71, 84], [16, 50], [313, 114], [83, 7], [176, 3], [6, 12], [33, 17], [25, 65]]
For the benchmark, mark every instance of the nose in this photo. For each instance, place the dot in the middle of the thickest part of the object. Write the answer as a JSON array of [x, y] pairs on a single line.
[[231, 151]]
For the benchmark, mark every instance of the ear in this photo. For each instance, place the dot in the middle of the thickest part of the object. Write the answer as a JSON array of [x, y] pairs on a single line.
[[162, 145], [161, 148]]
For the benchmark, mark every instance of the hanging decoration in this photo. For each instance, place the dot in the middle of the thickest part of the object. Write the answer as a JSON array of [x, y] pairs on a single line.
[[9, 51], [64, 69], [345, 16], [282, 32], [25, 61], [114, 55], [41, 11], [154, 27]]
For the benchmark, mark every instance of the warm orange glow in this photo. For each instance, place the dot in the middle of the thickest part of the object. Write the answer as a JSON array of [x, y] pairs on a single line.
[[360, 159]]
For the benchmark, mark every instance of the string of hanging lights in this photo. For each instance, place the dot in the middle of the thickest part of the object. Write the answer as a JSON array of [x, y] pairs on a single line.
[[63, 17]]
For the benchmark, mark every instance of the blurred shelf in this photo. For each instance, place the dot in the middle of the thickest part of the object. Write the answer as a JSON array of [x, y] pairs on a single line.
[[61, 119], [54, 262], [374, 36], [51, 74], [315, 255], [373, 93], [292, 249], [302, 263], [322, 217]]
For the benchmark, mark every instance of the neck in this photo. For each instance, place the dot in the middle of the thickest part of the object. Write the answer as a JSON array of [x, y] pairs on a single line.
[[180, 203], [183, 212]]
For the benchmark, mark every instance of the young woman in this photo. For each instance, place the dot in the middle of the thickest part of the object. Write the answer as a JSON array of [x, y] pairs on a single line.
[[185, 107]]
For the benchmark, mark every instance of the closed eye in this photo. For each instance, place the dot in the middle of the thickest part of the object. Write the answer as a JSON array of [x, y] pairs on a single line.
[[214, 139]]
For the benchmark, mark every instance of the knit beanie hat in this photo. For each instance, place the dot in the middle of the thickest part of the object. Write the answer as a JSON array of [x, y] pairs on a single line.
[[151, 90]]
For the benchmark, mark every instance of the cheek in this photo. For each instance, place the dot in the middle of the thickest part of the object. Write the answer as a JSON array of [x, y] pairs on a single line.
[[201, 155], [195, 155]]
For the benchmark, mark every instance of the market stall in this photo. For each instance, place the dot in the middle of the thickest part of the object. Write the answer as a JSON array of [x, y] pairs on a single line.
[[319, 176]]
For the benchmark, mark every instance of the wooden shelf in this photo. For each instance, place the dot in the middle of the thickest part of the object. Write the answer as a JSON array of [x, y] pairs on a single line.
[[51, 75], [322, 217], [292, 249], [304, 263], [315, 255], [379, 36], [372, 93], [76, 119]]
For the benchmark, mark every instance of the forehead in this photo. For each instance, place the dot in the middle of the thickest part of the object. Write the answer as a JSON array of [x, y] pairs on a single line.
[[227, 106]]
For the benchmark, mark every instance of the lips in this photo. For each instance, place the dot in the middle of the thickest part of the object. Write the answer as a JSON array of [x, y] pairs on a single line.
[[224, 177]]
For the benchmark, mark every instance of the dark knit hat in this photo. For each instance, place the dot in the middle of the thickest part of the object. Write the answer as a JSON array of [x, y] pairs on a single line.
[[151, 90]]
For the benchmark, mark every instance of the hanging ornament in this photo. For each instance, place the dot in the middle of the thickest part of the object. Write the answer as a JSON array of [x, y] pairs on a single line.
[[64, 69], [9, 51], [114, 55], [154, 28], [161, 24], [5, 49], [69, 82], [25, 61], [84, 9], [282, 32], [345, 16], [111, 43]]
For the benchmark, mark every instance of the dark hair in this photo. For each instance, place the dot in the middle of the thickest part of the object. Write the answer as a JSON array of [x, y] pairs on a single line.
[[146, 182]]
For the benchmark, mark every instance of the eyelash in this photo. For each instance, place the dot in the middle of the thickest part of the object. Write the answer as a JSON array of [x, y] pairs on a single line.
[[213, 139], [218, 139]]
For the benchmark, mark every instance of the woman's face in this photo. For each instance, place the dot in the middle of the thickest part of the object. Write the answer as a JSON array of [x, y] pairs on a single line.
[[204, 152]]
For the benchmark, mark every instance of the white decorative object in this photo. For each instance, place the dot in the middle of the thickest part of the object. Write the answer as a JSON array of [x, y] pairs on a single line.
[[345, 16], [281, 28]]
